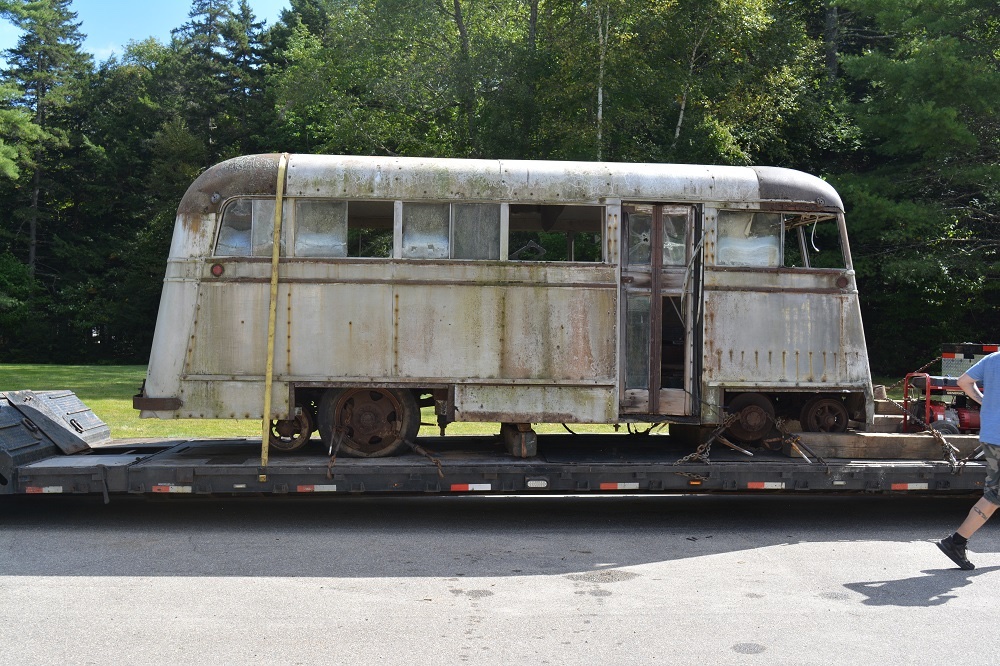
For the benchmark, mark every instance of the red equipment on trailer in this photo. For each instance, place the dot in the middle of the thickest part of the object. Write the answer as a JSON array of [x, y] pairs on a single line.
[[938, 401]]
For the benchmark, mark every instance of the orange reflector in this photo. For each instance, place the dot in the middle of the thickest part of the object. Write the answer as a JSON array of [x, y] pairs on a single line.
[[909, 486], [766, 485]]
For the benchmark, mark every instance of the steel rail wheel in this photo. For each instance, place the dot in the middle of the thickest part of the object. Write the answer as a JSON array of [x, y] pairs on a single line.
[[291, 434], [368, 422], [824, 415], [755, 416]]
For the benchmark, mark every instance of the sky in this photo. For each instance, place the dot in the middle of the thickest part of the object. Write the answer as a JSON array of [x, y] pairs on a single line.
[[111, 24]]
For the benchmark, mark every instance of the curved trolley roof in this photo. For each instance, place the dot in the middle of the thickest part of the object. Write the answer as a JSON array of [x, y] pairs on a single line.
[[446, 179]]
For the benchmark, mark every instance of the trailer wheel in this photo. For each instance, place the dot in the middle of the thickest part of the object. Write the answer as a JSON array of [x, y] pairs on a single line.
[[291, 434], [755, 416], [824, 415], [368, 422]]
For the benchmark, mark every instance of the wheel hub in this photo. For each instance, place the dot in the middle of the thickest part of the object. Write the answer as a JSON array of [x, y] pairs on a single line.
[[753, 418], [370, 417]]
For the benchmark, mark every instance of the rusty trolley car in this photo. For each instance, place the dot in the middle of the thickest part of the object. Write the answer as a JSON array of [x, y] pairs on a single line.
[[345, 292]]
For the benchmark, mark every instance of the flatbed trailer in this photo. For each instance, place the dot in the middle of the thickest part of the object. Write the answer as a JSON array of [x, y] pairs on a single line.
[[44, 450], [593, 464], [51, 443]]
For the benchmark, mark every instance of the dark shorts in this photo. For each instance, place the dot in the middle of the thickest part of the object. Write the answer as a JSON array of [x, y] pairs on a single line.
[[991, 491]]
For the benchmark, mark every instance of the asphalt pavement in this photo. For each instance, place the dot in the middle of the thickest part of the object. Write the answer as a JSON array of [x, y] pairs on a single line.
[[494, 580]]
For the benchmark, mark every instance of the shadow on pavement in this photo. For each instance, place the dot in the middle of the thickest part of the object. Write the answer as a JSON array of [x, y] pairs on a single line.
[[933, 588], [454, 536]]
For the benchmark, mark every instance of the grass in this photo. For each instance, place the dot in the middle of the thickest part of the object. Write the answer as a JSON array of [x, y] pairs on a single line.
[[108, 391]]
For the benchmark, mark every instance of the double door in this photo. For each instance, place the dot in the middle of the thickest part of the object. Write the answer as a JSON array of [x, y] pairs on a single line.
[[660, 271]]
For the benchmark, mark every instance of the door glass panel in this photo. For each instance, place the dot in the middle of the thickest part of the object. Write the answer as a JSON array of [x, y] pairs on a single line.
[[674, 240], [640, 226], [673, 340], [637, 342]]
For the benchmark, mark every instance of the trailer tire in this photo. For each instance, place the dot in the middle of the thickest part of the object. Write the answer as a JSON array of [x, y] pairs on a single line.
[[368, 422], [946, 428]]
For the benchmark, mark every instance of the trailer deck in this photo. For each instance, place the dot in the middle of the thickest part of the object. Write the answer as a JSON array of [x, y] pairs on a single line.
[[564, 465]]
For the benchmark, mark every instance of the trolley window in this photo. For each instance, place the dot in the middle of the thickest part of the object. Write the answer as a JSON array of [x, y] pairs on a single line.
[[749, 239], [451, 231], [247, 228], [320, 228], [556, 233], [813, 241]]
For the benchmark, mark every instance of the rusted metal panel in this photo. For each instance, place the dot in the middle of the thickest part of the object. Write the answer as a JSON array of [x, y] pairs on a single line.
[[230, 398], [449, 331], [174, 322], [156, 404], [246, 175], [512, 180], [777, 184], [784, 340], [391, 178], [193, 237], [410, 332], [229, 333], [340, 330], [549, 404], [559, 334], [727, 278]]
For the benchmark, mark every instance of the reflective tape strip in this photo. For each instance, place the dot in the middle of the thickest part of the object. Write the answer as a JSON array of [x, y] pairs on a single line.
[[766, 485], [463, 487], [631, 485], [43, 490], [171, 488], [909, 486], [324, 488], [989, 349]]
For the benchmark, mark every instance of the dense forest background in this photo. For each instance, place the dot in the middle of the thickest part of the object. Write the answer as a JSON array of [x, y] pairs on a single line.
[[896, 102]]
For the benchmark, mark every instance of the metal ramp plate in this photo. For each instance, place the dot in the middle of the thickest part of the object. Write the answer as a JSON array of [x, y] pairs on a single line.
[[60, 416]]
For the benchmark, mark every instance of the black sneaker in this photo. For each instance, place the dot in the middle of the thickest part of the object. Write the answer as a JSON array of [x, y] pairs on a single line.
[[955, 552]]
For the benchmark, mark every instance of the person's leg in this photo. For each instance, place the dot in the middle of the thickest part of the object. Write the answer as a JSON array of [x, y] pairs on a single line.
[[978, 515], [954, 545]]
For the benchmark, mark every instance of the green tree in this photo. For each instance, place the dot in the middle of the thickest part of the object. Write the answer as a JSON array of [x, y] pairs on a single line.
[[925, 191], [718, 81], [17, 132], [50, 68], [246, 44]]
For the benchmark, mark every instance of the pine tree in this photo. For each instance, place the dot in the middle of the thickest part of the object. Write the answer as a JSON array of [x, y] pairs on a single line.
[[50, 67], [246, 42], [203, 74]]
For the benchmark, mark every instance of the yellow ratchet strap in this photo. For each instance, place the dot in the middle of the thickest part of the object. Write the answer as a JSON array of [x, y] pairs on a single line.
[[272, 315]]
